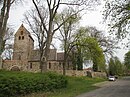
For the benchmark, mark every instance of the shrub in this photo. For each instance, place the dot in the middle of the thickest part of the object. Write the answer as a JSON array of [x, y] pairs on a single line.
[[13, 84]]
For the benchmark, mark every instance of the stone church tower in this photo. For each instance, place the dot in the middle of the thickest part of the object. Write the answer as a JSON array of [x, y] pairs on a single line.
[[23, 44]]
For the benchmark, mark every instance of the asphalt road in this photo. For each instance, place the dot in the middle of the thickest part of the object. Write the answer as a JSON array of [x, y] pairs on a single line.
[[119, 88]]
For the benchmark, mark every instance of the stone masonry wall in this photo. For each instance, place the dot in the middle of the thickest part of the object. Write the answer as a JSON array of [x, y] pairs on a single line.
[[8, 64], [72, 72]]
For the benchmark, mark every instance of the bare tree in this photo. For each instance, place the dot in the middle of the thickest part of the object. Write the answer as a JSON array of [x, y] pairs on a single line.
[[34, 22], [6, 4], [67, 32], [8, 48], [4, 15], [8, 52], [46, 24]]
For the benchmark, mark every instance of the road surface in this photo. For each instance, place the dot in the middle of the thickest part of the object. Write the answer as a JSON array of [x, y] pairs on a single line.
[[119, 88]]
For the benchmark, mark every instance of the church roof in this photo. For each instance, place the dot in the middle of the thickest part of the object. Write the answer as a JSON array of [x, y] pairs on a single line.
[[35, 55]]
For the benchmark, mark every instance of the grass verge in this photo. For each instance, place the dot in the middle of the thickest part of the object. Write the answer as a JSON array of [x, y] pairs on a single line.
[[76, 86]]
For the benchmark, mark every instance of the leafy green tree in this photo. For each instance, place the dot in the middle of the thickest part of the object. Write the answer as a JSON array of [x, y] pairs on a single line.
[[88, 49], [96, 54], [107, 43], [111, 67], [78, 55], [116, 67], [117, 15], [127, 60], [119, 67]]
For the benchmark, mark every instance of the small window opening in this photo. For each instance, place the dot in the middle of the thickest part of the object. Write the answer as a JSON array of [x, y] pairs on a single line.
[[22, 37], [21, 32], [30, 65], [49, 65], [19, 37]]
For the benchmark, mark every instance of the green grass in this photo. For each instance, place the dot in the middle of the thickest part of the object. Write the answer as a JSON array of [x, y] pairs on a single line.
[[76, 86], [13, 84]]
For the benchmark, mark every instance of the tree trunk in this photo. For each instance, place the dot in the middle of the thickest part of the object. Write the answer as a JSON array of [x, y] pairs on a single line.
[[45, 56], [65, 61], [64, 70], [3, 23], [47, 52], [43, 65], [1, 29], [0, 62]]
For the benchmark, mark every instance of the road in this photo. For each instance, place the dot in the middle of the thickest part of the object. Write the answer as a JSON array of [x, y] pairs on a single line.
[[119, 88]]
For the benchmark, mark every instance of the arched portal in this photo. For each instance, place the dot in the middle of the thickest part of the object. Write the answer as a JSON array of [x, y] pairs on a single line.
[[15, 68]]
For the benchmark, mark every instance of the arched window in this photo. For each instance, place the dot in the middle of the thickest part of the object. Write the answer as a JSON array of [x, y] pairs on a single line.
[[22, 37], [15, 68], [21, 32], [19, 37]]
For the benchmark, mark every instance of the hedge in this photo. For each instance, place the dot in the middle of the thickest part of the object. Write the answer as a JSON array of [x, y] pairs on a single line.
[[13, 84]]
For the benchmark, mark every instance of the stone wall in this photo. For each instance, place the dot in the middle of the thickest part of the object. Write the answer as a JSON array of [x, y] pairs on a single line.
[[52, 66], [22, 65], [9, 64], [72, 72], [33, 67], [97, 74]]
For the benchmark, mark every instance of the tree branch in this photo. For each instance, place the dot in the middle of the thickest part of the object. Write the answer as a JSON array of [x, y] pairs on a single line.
[[40, 15]]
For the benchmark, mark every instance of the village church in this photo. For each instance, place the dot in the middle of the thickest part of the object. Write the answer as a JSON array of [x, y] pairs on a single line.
[[26, 58]]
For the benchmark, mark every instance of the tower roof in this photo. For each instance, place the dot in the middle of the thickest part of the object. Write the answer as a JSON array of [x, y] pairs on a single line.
[[22, 28]]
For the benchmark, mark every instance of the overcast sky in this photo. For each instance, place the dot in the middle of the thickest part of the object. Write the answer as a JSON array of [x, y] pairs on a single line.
[[91, 19]]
